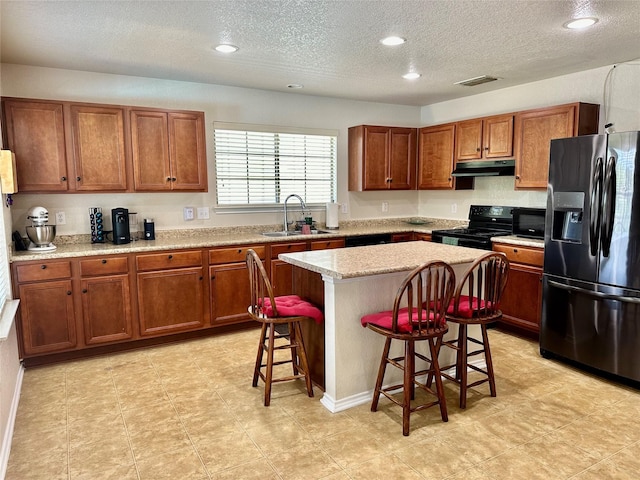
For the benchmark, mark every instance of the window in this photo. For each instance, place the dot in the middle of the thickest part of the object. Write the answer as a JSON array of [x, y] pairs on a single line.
[[261, 166]]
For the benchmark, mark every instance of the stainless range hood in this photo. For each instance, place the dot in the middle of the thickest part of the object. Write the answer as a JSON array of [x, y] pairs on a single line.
[[484, 168]]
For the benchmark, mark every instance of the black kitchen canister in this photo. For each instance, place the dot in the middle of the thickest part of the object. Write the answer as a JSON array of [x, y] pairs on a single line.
[[149, 229]]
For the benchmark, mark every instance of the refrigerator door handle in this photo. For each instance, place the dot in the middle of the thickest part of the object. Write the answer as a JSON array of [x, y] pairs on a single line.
[[594, 207], [608, 206], [600, 295]]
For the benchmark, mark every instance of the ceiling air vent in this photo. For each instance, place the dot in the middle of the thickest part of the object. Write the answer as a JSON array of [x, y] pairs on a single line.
[[470, 82]]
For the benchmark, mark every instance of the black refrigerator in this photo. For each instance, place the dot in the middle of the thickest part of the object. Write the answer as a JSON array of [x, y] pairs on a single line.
[[591, 281]]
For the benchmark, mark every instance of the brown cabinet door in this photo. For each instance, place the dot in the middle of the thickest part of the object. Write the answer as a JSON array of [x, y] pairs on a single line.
[[497, 134], [187, 151], [534, 132], [150, 147], [47, 317], [435, 157], [171, 300], [281, 278], [469, 139], [402, 159], [229, 293], [106, 309], [522, 298], [35, 133], [99, 148], [375, 158]]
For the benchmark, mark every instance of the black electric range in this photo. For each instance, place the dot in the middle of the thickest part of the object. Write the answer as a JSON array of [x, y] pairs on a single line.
[[485, 222]]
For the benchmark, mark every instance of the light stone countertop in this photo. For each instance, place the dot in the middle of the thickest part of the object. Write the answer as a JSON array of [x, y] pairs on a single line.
[[80, 245], [378, 259], [519, 241]]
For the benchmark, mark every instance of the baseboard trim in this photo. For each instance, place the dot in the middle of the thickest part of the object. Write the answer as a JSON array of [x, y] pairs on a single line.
[[365, 397], [8, 433]]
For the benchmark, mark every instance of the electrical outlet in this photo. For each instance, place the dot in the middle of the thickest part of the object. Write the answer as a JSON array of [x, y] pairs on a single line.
[[61, 218], [385, 206], [344, 207], [187, 213], [203, 213], [454, 207]]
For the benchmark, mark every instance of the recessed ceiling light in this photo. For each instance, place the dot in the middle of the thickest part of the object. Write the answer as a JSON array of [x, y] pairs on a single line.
[[295, 85], [580, 23], [411, 76], [392, 41], [226, 48]]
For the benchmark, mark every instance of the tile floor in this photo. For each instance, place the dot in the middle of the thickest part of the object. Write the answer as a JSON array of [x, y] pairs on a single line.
[[188, 411]]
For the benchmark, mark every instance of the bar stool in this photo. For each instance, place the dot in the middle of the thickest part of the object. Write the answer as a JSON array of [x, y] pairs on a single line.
[[286, 313], [426, 293], [476, 302]]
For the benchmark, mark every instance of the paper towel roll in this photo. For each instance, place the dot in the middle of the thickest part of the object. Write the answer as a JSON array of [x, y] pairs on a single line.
[[332, 215]]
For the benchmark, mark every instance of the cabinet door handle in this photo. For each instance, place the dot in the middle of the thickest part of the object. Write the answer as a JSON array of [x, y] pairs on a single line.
[[239, 250], [173, 179], [517, 177], [486, 148], [478, 149], [43, 267], [78, 179], [201, 277], [213, 277], [68, 292], [168, 179], [104, 261], [84, 290], [63, 179], [170, 257]]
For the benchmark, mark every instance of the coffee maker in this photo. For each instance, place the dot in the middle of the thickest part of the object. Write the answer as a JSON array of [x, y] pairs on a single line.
[[120, 222]]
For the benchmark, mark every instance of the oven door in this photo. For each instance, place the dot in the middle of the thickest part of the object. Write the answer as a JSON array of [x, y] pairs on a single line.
[[477, 242]]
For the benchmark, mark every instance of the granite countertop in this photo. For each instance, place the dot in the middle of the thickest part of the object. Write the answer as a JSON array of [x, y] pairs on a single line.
[[378, 259], [519, 241], [81, 246]]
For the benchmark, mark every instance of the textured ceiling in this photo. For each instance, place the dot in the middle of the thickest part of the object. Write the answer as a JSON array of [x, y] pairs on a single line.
[[329, 46]]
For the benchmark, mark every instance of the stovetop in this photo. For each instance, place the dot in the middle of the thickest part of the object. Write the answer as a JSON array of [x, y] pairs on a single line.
[[485, 221]]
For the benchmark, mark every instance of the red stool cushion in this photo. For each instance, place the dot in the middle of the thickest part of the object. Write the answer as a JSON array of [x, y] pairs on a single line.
[[385, 319], [293, 306], [463, 307]]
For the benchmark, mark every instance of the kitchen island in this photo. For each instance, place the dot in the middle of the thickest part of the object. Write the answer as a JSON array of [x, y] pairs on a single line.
[[357, 281]]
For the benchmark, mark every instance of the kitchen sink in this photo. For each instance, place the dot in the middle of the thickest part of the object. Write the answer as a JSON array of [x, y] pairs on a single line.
[[295, 233]]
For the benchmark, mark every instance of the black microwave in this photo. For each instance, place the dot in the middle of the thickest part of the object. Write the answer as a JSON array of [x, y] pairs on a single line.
[[529, 222]]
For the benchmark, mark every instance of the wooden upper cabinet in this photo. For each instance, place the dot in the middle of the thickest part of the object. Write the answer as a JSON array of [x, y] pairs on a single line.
[[99, 148], [168, 150], [435, 157], [34, 131], [382, 158], [485, 138], [534, 130]]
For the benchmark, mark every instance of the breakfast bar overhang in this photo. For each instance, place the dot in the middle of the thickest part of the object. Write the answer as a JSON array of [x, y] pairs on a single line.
[[357, 281]]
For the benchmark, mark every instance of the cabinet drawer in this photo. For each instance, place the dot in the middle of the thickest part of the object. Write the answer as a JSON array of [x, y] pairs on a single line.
[[327, 244], [526, 255], [161, 261], [43, 271], [235, 254], [277, 249], [103, 266]]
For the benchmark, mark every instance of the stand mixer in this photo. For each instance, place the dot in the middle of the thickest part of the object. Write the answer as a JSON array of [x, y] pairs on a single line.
[[40, 234]]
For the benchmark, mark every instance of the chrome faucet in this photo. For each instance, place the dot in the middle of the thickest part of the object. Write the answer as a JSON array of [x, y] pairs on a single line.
[[302, 205]]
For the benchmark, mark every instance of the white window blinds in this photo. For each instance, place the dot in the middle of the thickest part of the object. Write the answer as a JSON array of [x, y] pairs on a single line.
[[260, 166]]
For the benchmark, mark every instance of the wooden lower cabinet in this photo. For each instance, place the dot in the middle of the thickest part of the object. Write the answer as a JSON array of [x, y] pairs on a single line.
[[425, 237], [522, 299], [281, 273], [171, 300], [106, 309], [47, 317], [230, 283]]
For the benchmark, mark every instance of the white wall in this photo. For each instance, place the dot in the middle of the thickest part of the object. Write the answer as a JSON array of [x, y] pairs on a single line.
[[622, 105], [220, 103], [231, 104]]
